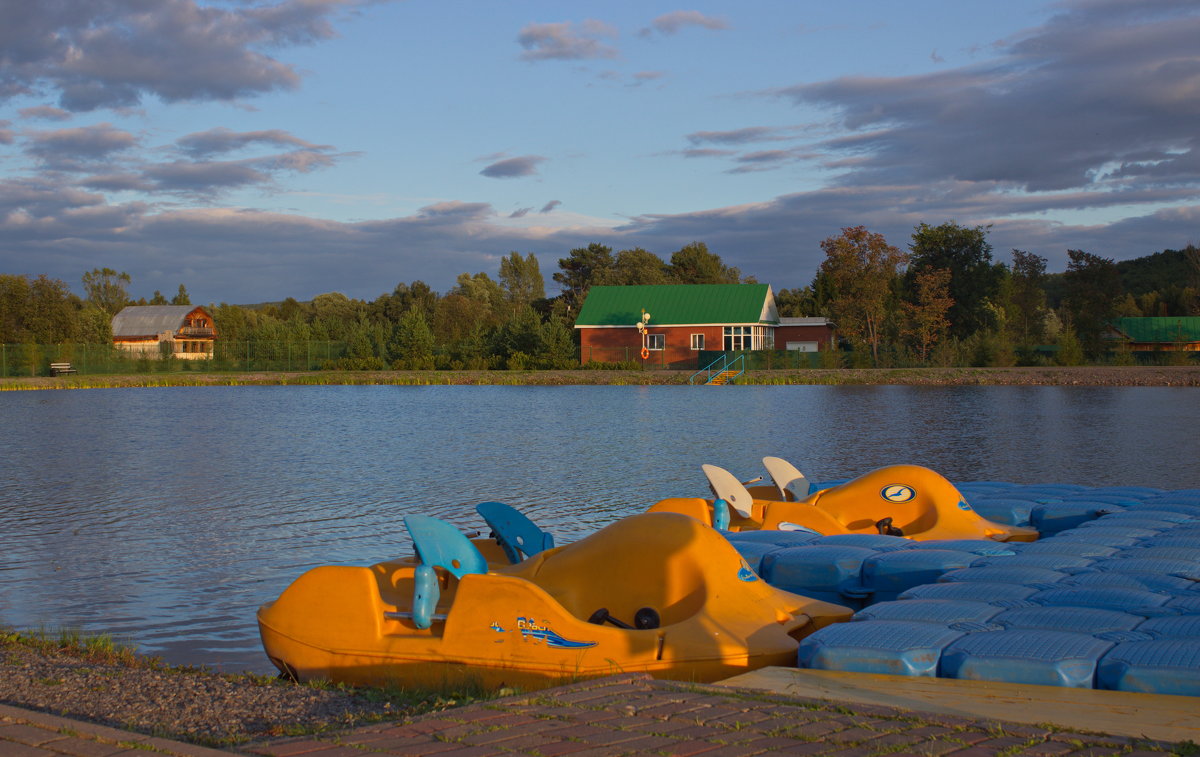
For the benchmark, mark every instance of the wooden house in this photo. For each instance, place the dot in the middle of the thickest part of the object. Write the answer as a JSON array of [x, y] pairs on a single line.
[[186, 330], [685, 319], [1156, 334]]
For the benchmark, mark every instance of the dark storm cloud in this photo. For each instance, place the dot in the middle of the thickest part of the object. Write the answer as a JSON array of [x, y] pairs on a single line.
[[513, 168], [1106, 91], [111, 53], [563, 41], [222, 140], [671, 23]]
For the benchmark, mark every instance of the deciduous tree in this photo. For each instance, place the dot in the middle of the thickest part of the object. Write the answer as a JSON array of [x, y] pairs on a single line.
[[694, 264], [521, 279], [1092, 288], [925, 317], [859, 269], [637, 266], [107, 289], [974, 280]]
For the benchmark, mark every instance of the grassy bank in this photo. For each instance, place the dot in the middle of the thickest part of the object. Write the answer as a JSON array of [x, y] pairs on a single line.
[[1035, 376]]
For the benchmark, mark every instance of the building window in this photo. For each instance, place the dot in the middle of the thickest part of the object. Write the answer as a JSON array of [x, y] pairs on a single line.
[[656, 341], [697, 341], [737, 338], [748, 338]]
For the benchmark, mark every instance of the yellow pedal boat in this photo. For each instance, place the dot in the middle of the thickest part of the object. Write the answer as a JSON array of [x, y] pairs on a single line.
[[656, 592], [901, 500]]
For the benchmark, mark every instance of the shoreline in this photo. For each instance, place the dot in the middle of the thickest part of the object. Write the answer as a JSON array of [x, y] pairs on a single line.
[[1024, 376], [98, 682], [130, 694]]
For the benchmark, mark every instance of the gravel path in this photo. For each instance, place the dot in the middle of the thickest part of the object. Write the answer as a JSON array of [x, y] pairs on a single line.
[[188, 704]]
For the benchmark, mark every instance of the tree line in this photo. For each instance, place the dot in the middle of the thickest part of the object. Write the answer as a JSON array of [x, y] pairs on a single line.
[[943, 300]]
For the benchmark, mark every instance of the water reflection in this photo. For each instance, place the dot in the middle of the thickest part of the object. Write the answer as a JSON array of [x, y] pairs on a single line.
[[168, 515]]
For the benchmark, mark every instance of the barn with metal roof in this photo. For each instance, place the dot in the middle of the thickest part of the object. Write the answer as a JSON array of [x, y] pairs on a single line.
[[187, 331]]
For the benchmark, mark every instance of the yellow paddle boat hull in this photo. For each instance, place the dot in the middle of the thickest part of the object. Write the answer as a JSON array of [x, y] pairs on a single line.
[[527, 624], [920, 503]]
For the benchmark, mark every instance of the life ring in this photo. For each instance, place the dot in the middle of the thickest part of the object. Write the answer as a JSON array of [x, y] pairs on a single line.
[[645, 354]]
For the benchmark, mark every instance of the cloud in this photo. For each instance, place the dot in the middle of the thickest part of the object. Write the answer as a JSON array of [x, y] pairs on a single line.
[[736, 136], [45, 113], [222, 140], [513, 168], [112, 53], [74, 149], [520, 213], [48, 225], [550, 206], [671, 23], [562, 41], [1102, 85], [706, 152], [762, 160]]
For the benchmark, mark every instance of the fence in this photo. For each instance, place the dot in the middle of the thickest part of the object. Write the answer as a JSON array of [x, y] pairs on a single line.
[[35, 359]]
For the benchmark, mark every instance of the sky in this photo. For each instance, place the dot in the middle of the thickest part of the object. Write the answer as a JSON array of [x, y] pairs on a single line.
[[256, 150]]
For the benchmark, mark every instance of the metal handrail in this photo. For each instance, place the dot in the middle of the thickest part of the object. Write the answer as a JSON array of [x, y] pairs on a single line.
[[712, 370], [723, 359]]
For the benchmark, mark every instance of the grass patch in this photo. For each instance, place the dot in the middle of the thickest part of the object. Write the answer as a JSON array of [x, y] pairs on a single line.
[[100, 647]]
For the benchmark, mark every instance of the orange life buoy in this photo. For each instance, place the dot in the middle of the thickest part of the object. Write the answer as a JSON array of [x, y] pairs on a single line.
[[645, 354]]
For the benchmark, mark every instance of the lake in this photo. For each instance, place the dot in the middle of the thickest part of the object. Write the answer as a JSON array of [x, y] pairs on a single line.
[[166, 516]]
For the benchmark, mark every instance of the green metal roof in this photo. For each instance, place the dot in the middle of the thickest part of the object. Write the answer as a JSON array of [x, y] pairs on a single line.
[[677, 304], [1179, 329]]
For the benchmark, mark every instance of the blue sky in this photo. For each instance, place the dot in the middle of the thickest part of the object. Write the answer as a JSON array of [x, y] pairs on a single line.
[[259, 150]]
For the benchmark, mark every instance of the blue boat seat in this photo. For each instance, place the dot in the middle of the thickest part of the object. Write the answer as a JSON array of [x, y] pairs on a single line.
[[438, 545], [516, 534]]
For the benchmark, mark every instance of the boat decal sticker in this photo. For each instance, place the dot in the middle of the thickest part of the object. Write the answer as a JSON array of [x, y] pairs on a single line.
[[897, 493], [962, 505], [745, 574], [497, 628], [532, 631]]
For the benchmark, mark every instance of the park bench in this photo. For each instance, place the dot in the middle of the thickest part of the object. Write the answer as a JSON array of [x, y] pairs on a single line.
[[58, 369]]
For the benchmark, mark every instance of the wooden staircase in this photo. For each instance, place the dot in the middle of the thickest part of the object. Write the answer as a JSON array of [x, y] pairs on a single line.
[[722, 378]]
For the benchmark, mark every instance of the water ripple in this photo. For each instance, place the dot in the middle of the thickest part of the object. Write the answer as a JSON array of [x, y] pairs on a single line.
[[167, 517]]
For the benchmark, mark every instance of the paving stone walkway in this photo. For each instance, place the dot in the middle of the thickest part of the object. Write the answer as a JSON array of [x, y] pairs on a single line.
[[25, 733], [637, 715]]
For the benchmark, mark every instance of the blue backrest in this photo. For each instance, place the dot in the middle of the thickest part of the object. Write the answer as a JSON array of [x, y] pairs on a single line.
[[442, 545], [514, 532], [438, 544]]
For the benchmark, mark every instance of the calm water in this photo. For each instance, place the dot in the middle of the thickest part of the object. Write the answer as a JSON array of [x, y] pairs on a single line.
[[166, 516]]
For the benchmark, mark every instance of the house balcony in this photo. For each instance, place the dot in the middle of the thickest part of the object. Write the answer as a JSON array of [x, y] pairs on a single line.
[[197, 332]]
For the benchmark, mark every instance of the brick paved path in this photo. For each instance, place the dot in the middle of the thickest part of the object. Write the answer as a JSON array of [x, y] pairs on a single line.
[[636, 715], [25, 733]]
